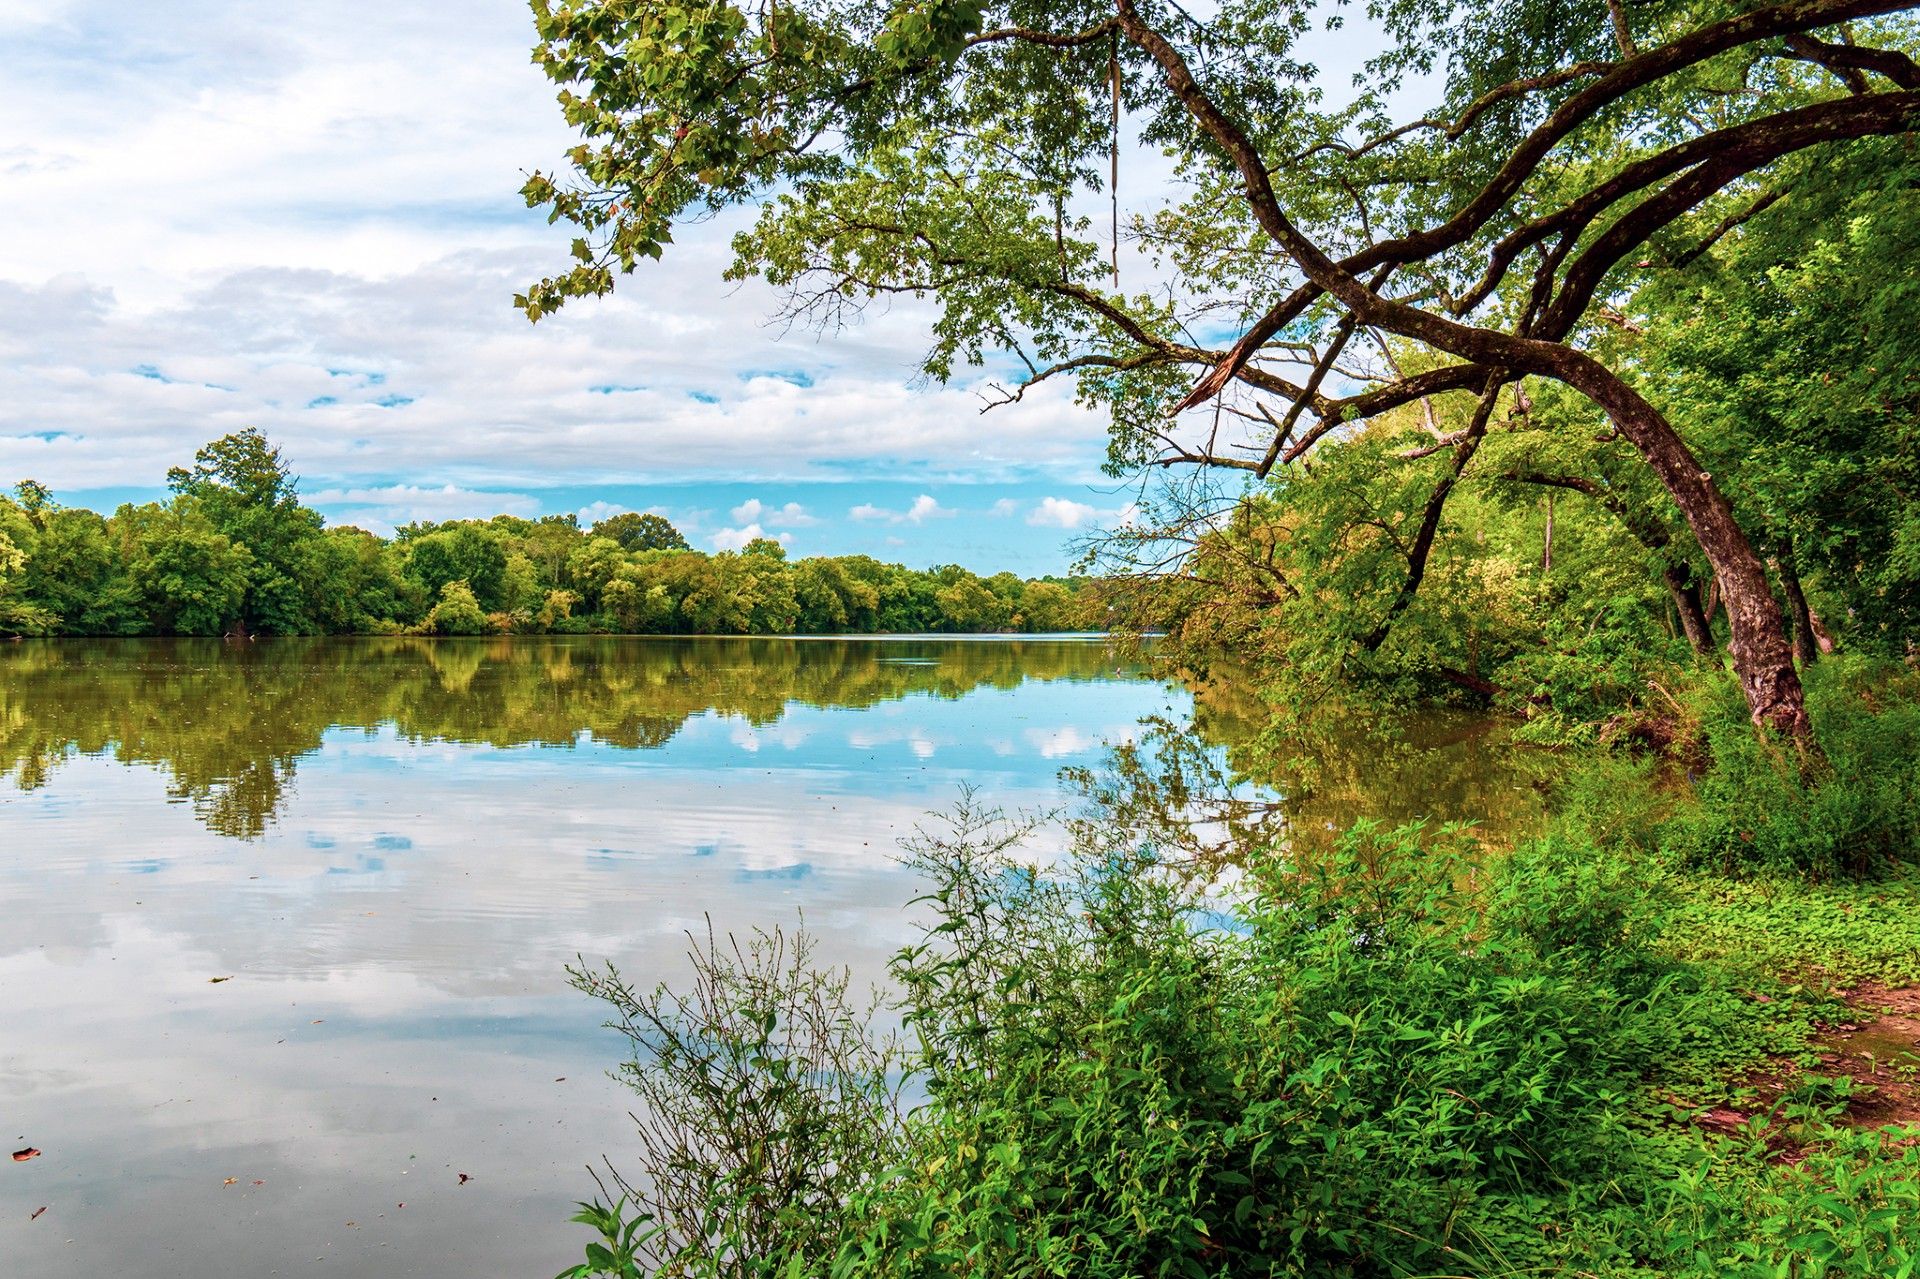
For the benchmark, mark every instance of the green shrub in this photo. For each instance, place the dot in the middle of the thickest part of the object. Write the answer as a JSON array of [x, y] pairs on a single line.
[[1385, 1059], [458, 613], [1759, 807], [1849, 1210]]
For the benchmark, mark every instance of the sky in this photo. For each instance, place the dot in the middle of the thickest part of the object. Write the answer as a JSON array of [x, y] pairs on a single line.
[[221, 214]]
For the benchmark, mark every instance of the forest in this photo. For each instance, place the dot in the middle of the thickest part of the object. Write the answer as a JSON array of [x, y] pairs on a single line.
[[233, 551]]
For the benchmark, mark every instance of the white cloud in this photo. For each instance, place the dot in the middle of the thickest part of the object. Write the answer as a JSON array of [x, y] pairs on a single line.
[[1060, 512], [593, 512], [924, 508], [308, 221], [1004, 507], [792, 515], [736, 539]]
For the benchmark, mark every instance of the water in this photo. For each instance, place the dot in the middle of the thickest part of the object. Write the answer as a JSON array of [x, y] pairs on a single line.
[[386, 851]]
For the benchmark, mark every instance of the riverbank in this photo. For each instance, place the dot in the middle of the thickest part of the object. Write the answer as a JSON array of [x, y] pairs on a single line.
[[1629, 1044]]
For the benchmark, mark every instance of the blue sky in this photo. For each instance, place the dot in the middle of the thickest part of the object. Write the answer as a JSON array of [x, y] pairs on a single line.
[[305, 218]]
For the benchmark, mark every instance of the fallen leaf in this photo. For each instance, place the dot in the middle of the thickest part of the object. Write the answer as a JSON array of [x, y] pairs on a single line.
[[214, 981], [21, 1156], [36, 1213], [258, 1182], [316, 1021], [230, 1181], [464, 1179]]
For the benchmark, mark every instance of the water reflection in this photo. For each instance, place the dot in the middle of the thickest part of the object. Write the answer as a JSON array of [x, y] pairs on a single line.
[[229, 723], [1435, 765], [389, 849]]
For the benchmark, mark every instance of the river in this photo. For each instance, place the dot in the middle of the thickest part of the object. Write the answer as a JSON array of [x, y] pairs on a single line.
[[283, 924]]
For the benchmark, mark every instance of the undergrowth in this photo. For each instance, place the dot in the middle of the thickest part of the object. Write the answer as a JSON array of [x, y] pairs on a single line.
[[1395, 1055]]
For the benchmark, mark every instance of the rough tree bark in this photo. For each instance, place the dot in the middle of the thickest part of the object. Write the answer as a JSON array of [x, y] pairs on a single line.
[[1762, 655]]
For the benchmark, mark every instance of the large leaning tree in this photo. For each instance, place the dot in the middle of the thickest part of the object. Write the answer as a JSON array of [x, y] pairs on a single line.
[[1312, 257]]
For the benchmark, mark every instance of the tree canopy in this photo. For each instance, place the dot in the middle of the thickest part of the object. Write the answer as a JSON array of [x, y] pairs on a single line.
[[1323, 256]]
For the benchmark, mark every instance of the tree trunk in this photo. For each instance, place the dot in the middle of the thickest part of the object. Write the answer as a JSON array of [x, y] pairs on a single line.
[[1693, 616], [1762, 655], [1806, 650]]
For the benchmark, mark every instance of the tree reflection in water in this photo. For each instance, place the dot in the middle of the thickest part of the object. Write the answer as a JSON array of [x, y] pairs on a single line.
[[228, 723]]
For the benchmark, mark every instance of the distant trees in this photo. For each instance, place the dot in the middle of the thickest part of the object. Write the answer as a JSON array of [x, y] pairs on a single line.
[[242, 486], [641, 531], [234, 549]]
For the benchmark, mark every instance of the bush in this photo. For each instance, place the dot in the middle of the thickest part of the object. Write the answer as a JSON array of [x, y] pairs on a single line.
[[1384, 1059], [1758, 808], [458, 613]]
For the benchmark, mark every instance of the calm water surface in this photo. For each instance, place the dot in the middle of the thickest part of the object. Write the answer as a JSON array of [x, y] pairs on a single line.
[[283, 925], [388, 850]]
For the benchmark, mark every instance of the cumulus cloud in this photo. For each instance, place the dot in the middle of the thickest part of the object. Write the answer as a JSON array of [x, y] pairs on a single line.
[[791, 515], [924, 508], [1060, 512], [736, 539], [593, 512], [1004, 507], [308, 222]]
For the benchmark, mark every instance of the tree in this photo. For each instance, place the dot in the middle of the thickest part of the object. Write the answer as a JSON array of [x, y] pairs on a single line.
[[462, 552], [641, 531], [1793, 356], [74, 572], [941, 147], [18, 616], [966, 603], [458, 612], [189, 578], [592, 566], [245, 490]]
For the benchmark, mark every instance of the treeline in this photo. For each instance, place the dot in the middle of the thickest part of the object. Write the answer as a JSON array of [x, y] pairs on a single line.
[[233, 550]]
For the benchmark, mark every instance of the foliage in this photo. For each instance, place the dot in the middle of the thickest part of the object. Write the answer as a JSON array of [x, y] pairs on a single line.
[[643, 531], [458, 612], [1759, 809], [767, 1102], [1829, 933], [241, 485], [234, 551], [1390, 1056], [1796, 360]]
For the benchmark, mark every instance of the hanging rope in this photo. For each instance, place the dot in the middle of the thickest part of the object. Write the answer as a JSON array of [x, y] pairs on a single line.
[[1113, 185]]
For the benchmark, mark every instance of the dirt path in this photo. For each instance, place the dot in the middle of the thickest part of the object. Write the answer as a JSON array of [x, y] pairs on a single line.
[[1881, 1054]]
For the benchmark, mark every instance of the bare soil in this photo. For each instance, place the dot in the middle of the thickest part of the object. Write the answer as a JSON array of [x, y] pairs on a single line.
[[1877, 1048]]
